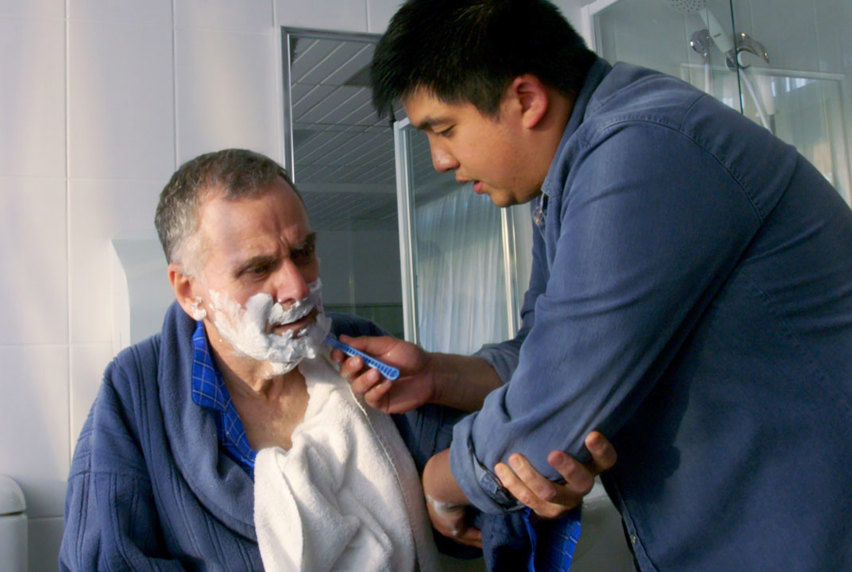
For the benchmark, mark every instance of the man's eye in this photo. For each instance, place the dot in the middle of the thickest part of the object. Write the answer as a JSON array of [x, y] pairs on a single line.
[[303, 254], [445, 133]]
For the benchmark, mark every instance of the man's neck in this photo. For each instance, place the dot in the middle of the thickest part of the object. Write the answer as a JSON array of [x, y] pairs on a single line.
[[559, 114], [248, 378], [245, 375]]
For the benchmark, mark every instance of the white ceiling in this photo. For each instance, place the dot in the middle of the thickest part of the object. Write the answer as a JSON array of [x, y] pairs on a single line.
[[343, 153]]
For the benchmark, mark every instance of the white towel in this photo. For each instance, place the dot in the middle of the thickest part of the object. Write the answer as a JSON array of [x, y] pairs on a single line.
[[346, 496]]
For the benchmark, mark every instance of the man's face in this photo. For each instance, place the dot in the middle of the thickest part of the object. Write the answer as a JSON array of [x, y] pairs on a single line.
[[490, 152], [259, 281]]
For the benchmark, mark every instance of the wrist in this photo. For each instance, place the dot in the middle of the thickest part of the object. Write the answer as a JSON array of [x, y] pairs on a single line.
[[443, 378], [462, 382]]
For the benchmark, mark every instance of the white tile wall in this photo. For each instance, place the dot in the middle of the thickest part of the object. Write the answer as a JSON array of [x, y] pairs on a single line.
[[88, 362], [99, 210], [34, 423], [99, 108], [45, 535], [253, 16], [227, 94], [122, 11], [32, 97], [42, 9], [34, 288], [121, 100], [350, 16]]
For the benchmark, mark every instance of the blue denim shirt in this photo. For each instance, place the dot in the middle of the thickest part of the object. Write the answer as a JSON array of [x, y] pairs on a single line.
[[691, 298]]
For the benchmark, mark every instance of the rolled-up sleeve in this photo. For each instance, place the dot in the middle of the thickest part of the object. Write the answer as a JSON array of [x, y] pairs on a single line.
[[634, 250], [503, 357]]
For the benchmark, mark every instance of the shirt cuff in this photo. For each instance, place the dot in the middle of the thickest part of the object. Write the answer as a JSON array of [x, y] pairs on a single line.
[[480, 484], [503, 357]]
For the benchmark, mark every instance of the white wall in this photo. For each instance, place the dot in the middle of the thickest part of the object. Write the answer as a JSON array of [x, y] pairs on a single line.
[[100, 101]]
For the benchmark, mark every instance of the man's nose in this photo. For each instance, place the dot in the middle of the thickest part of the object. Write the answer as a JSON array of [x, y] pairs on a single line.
[[442, 160], [291, 283]]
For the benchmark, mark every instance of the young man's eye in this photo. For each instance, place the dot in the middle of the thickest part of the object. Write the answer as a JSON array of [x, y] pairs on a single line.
[[445, 133]]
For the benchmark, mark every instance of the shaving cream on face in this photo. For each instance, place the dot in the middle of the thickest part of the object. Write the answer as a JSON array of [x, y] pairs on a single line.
[[245, 328], [198, 313]]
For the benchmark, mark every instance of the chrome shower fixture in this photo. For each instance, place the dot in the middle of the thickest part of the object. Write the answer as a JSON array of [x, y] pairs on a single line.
[[715, 29], [700, 41], [745, 43], [732, 49]]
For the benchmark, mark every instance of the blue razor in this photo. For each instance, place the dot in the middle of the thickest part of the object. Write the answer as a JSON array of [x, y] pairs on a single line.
[[386, 370]]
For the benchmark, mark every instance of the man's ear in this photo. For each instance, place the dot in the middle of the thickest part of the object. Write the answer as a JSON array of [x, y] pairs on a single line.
[[533, 98], [183, 285]]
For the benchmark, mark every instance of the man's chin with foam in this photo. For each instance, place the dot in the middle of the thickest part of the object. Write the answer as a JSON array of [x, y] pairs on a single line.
[[259, 330]]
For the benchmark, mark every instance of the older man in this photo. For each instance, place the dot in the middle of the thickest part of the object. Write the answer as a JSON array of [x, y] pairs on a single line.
[[228, 441]]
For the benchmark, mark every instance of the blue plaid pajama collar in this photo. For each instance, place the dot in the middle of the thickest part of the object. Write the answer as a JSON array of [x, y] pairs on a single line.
[[208, 390]]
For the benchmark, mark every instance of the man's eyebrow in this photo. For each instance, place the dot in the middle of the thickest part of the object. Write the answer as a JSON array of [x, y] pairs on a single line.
[[266, 259], [310, 240], [255, 261], [430, 122]]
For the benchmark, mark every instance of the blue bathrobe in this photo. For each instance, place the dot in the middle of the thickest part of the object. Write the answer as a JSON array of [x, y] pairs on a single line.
[[151, 489]]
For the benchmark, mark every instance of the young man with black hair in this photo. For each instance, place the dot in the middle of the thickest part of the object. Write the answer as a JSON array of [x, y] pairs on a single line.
[[690, 297]]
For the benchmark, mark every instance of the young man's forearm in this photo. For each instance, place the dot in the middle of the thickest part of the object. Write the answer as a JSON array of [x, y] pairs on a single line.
[[462, 381]]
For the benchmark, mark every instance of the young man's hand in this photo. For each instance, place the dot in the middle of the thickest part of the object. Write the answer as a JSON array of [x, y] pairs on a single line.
[[546, 498], [457, 381], [413, 388]]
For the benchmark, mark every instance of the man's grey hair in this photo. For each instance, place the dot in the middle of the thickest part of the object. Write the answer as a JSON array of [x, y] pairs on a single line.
[[236, 173]]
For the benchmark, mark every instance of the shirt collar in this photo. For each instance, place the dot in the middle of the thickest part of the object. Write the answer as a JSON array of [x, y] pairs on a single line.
[[208, 390], [553, 182]]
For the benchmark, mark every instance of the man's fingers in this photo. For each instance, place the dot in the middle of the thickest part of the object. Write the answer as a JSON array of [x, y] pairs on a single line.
[[603, 453], [377, 396], [539, 486], [521, 491], [349, 367], [359, 376], [513, 484], [578, 478], [372, 345], [549, 499]]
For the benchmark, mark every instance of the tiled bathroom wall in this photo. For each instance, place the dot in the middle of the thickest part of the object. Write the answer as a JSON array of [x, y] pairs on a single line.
[[100, 100]]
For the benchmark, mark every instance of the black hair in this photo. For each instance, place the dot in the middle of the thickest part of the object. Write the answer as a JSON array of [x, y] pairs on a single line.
[[469, 51]]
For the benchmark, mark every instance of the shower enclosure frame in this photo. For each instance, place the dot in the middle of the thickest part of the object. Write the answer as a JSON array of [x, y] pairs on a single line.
[[838, 134]]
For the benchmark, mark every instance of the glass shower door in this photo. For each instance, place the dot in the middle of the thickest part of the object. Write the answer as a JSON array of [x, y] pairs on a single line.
[[782, 63], [457, 255]]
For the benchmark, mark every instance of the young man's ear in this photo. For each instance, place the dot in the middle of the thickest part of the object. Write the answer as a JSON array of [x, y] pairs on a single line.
[[533, 98], [182, 284]]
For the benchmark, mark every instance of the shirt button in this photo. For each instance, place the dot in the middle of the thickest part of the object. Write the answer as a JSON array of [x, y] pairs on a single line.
[[633, 539]]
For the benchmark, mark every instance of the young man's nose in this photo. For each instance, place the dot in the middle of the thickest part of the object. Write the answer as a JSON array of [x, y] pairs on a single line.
[[442, 160]]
